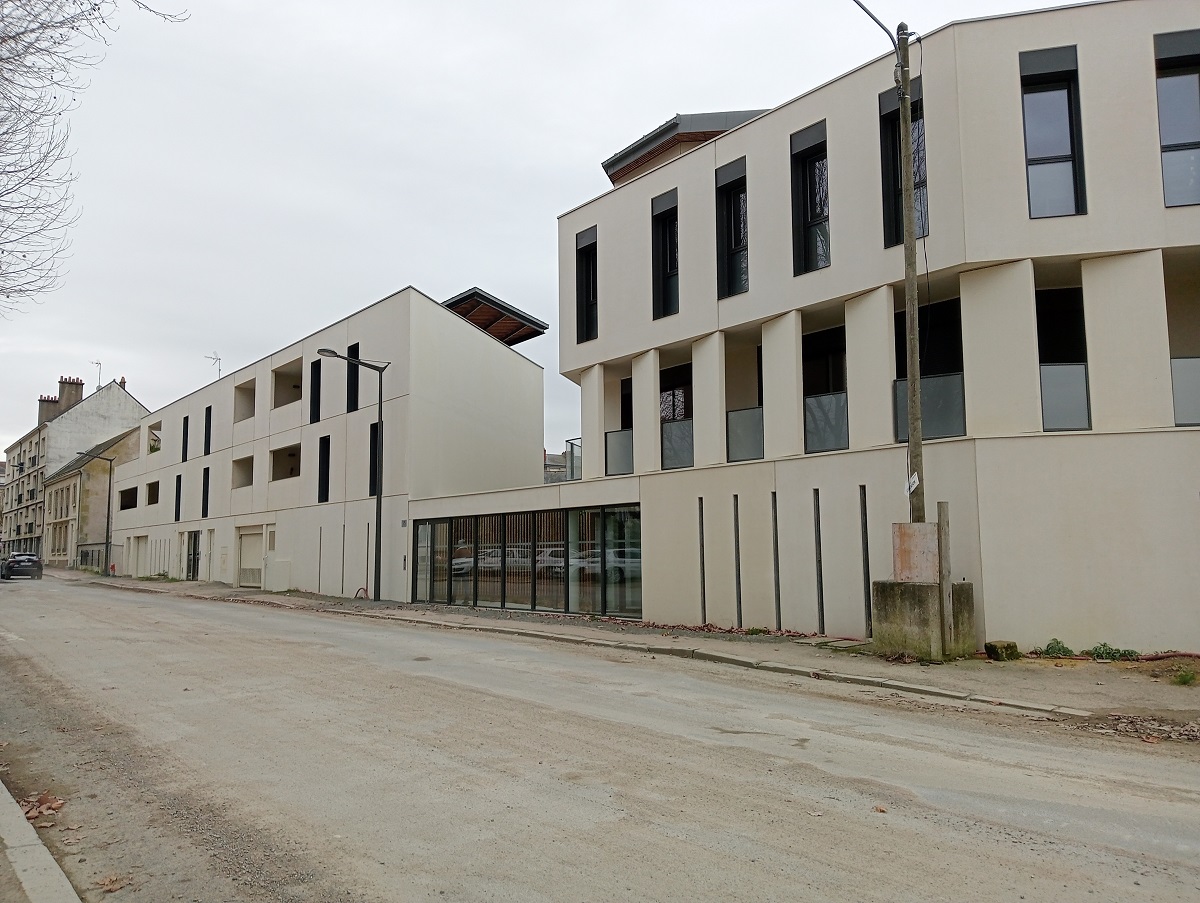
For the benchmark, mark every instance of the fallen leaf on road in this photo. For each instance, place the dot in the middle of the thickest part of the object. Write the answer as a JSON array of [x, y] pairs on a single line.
[[816, 814], [44, 824], [879, 809], [3, 743], [1149, 738], [110, 884], [71, 827], [71, 841]]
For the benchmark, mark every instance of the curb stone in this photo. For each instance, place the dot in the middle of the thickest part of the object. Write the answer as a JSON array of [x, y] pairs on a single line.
[[40, 877], [735, 660]]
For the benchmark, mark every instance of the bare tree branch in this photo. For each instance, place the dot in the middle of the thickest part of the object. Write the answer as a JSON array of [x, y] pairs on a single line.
[[44, 44]]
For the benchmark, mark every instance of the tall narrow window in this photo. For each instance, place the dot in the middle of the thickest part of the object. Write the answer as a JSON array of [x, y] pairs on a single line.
[[810, 200], [352, 379], [1062, 354], [314, 390], [185, 439], [1178, 58], [587, 285], [204, 493], [1053, 147], [208, 430], [323, 469], [893, 183], [733, 230], [373, 463], [664, 210], [178, 495]]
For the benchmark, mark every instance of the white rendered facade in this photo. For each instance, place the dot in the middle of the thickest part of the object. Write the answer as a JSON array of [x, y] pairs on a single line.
[[461, 412], [1086, 529]]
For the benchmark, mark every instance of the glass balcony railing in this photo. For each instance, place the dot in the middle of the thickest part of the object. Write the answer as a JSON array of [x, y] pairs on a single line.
[[943, 409], [826, 424], [744, 435], [677, 449], [1185, 387], [1065, 404], [574, 459], [618, 452]]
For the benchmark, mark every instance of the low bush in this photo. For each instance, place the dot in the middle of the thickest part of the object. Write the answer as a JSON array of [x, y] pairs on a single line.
[[1103, 650], [1056, 648]]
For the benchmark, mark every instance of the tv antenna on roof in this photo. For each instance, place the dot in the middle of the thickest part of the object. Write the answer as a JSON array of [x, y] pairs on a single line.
[[216, 361], [98, 367]]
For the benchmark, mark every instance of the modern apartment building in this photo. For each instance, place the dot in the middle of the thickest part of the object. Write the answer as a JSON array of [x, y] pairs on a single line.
[[267, 477], [733, 313], [67, 424]]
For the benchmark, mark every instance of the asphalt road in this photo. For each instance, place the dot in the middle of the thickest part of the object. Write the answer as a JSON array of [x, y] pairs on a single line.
[[215, 751]]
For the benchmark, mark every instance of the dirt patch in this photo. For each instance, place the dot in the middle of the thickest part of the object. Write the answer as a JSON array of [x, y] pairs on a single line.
[[127, 823]]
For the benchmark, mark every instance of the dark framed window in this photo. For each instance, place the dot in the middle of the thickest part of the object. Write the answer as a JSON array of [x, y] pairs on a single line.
[[627, 403], [810, 200], [1178, 57], [178, 496], [152, 493], [314, 390], [204, 493], [323, 469], [664, 211], [128, 498], [733, 230], [1062, 358], [373, 462], [675, 393], [893, 183], [208, 430], [352, 379], [943, 398], [587, 287], [1053, 142], [185, 438]]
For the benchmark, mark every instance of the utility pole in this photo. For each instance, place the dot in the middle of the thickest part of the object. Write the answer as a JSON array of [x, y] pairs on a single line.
[[916, 458]]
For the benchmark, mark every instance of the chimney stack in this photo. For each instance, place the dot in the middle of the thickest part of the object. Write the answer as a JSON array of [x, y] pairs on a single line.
[[48, 408], [70, 392], [121, 382]]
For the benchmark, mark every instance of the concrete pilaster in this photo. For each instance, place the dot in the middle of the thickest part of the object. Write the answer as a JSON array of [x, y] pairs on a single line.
[[1128, 349], [870, 368], [708, 399], [647, 431], [1000, 350], [783, 389], [591, 420]]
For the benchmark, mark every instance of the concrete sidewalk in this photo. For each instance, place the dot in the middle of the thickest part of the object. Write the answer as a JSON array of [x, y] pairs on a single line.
[[1067, 688]]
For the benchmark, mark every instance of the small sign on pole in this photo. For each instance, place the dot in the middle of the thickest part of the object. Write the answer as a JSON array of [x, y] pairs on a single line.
[[913, 483]]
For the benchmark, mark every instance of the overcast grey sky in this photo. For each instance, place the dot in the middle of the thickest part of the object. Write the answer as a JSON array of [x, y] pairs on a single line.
[[264, 169]]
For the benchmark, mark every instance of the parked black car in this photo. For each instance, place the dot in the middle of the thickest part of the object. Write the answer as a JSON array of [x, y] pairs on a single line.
[[21, 564]]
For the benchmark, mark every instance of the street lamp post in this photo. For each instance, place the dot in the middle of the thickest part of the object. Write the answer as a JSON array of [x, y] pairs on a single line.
[[108, 512], [916, 457], [378, 367]]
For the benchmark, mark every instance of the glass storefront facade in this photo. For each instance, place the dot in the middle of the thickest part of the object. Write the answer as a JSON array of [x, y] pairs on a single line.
[[581, 560]]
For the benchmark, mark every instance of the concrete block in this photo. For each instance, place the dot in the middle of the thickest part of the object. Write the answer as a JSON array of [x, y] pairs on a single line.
[[1002, 650], [962, 640], [725, 658], [925, 690], [906, 618], [846, 644], [915, 553]]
